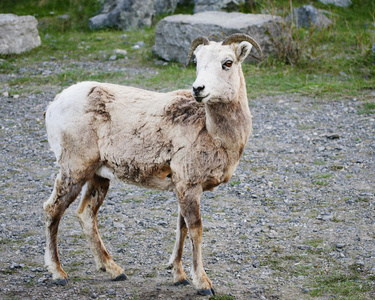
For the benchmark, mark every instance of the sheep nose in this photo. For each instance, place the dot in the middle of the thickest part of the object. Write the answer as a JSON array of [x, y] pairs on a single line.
[[198, 89]]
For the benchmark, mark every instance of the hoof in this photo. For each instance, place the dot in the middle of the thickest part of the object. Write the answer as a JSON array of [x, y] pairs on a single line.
[[207, 292], [60, 281], [182, 282], [120, 277]]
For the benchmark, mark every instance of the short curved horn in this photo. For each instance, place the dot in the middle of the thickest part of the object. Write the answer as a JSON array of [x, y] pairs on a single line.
[[202, 40], [240, 37]]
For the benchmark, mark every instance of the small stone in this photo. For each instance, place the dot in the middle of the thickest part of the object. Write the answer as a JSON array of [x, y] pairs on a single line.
[[112, 57], [163, 223], [121, 52], [64, 17], [5, 94], [256, 264], [327, 218], [333, 136], [141, 44], [272, 234], [118, 225], [340, 245], [257, 230], [42, 279]]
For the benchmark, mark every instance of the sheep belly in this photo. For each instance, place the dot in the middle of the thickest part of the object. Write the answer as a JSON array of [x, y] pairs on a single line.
[[160, 179]]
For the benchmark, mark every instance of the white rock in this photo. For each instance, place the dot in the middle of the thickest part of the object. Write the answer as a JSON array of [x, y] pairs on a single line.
[[174, 34], [120, 52], [223, 5], [18, 34], [341, 3]]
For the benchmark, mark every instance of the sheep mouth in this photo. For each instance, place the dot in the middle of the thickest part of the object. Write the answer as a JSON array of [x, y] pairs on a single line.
[[200, 99]]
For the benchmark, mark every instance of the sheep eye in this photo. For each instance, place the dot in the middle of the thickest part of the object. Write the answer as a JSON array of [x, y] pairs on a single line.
[[228, 64]]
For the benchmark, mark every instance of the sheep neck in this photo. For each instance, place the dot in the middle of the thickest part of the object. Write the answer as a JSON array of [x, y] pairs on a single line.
[[230, 123]]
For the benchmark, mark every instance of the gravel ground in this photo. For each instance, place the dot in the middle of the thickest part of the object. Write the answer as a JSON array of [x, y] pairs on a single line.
[[300, 207]]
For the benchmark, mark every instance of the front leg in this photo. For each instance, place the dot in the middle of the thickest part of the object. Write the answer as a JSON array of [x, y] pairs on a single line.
[[189, 201], [175, 263]]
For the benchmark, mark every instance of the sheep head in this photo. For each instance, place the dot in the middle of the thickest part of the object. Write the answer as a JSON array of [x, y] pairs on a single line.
[[218, 67]]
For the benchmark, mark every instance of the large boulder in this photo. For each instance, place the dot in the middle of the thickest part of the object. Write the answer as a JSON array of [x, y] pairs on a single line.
[[174, 34], [217, 5], [342, 3], [130, 14], [18, 34], [124, 14], [308, 16], [165, 6]]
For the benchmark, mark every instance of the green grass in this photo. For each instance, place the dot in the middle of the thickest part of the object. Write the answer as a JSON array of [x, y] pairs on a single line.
[[222, 297], [336, 62], [48, 12], [368, 108], [349, 285], [320, 183], [324, 277], [234, 182], [323, 175]]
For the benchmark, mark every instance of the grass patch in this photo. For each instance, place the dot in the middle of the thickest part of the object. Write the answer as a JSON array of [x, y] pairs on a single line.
[[323, 175], [49, 12], [321, 179], [320, 183], [314, 242], [342, 286], [367, 108], [222, 297], [335, 62], [234, 182], [319, 162]]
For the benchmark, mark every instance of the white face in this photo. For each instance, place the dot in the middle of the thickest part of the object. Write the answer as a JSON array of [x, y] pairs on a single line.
[[218, 71]]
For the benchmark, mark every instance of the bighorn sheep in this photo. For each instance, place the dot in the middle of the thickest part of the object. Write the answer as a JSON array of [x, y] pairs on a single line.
[[185, 141]]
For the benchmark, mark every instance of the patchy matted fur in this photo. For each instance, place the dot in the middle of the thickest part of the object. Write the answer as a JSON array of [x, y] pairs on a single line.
[[167, 141]]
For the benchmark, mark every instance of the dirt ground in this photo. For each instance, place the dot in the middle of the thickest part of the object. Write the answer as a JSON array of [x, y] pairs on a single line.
[[296, 221]]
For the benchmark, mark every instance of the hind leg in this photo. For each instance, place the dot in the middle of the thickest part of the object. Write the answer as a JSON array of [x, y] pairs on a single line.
[[64, 193], [93, 196]]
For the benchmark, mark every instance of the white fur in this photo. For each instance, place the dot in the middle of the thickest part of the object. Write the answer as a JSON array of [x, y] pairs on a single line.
[[220, 84]]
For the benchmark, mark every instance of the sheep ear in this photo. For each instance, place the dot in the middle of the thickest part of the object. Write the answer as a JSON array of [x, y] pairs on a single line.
[[243, 51]]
